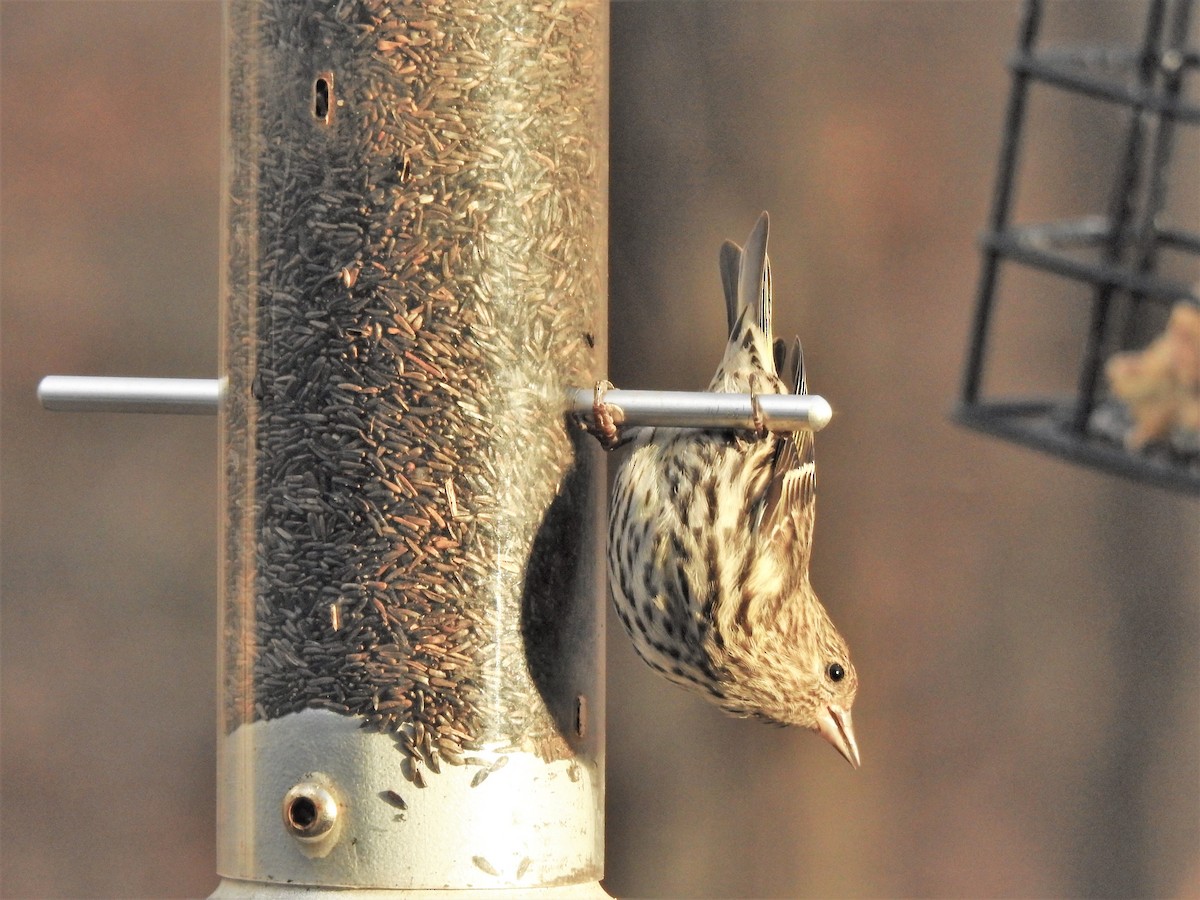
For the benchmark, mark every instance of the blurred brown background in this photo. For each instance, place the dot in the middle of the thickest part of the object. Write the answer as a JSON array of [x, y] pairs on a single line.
[[1026, 631]]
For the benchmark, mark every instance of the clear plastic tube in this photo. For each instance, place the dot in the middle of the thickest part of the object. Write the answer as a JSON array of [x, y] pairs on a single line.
[[416, 213]]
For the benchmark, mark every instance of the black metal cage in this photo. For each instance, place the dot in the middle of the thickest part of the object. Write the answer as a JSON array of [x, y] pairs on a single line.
[[1115, 255]]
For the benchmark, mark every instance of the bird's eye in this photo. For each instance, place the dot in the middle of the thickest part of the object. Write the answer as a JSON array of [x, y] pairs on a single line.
[[835, 672]]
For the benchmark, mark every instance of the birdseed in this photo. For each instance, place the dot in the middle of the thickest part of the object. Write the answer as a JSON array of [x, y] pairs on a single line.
[[415, 276]]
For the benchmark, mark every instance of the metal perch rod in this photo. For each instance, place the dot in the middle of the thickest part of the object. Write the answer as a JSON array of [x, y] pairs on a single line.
[[98, 393], [696, 409], [668, 409]]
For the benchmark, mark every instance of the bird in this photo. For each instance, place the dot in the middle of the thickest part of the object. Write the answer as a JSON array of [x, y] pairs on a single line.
[[710, 538]]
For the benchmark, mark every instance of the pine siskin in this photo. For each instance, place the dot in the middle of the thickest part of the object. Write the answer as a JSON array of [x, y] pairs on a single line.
[[709, 542]]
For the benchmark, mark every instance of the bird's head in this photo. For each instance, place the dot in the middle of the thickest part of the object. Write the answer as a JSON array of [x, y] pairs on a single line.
[[833, 712], [803, 677], [831, 684]]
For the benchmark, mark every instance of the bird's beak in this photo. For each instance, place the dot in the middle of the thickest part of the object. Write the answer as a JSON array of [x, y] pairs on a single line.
[[835, 726]]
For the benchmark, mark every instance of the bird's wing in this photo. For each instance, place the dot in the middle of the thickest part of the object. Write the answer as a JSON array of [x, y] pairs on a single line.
[[790, 501]]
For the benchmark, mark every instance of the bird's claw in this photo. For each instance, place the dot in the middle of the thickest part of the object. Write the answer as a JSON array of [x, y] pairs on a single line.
[[603, 428], [759, 420]]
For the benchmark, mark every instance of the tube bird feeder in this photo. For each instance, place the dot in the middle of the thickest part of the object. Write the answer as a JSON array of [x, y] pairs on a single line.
[[415, 273]]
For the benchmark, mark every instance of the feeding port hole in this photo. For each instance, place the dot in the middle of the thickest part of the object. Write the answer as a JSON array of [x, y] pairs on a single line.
[[322, 105]]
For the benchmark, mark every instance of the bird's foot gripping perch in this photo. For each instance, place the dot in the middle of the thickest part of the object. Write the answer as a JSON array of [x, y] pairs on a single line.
[[760, 421], [603, 428]]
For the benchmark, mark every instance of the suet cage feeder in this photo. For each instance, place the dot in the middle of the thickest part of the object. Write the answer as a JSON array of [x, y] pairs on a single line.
[[1115, 255]]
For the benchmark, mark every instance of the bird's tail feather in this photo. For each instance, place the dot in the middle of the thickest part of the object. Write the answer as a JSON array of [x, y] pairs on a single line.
[[731, 264], [746, 279], [754, 277]]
